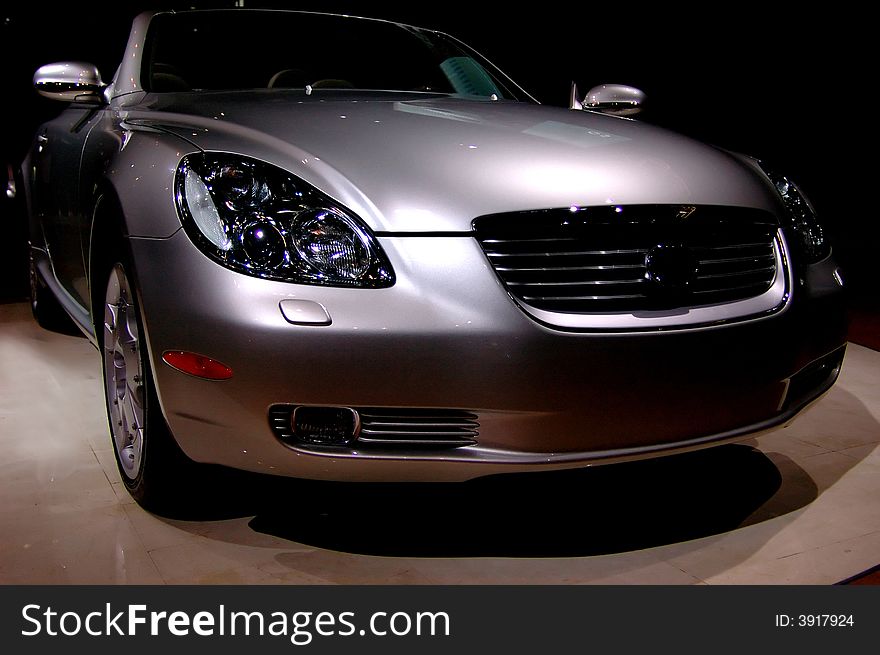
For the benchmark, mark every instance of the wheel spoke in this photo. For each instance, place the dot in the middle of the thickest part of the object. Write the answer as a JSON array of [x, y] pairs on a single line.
[[110, 318], [124, 372]]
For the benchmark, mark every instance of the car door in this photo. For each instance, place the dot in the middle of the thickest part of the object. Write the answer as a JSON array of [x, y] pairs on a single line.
[[56, 159]]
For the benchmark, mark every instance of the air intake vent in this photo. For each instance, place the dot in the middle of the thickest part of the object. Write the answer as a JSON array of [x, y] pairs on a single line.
[[432, 427], [384, 427], [631, 258]]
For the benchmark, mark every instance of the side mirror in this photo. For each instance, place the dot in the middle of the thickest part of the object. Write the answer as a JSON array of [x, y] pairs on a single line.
[[71, 81], [614, 99], [10, 182]]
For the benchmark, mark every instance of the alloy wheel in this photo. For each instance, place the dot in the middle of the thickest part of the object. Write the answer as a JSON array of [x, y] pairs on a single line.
[[124, 372]]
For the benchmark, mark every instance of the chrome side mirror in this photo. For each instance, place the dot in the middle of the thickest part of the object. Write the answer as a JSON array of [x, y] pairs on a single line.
[[614, 99], [71, 81]]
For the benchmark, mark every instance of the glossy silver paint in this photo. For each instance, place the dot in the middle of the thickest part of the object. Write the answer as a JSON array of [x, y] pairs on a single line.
[[463, 158], [550, 391]]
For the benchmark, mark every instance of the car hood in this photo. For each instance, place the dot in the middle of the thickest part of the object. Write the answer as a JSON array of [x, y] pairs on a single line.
[[416, 163]]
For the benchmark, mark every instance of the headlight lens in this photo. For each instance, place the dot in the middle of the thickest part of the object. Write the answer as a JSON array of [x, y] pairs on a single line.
[[260, 220], [332, 243], [812, 240]]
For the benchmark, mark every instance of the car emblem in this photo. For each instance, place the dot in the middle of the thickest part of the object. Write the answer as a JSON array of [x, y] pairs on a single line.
[[684, 212], [671, 268]]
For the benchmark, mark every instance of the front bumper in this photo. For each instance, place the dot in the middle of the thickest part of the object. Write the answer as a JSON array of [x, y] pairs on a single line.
[[447, 335]]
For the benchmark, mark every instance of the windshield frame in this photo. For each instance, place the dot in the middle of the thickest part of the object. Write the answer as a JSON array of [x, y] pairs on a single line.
[[510, 90]]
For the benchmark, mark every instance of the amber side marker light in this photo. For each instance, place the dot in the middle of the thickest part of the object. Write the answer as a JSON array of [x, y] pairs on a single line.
[[196, 365]]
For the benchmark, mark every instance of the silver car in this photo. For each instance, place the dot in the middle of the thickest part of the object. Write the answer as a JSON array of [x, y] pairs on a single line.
[[366, 254]]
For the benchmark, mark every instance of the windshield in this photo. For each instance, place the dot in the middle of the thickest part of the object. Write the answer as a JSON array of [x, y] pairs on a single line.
[[233, 49]]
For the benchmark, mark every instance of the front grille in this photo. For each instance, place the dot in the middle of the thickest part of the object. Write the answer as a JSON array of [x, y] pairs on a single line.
[[631, 258], [395, 427]]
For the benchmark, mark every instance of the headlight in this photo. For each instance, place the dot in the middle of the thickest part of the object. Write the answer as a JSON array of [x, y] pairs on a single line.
[[260, 220], [811, 235]]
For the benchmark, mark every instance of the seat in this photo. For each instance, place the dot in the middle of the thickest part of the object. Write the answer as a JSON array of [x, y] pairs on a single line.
[[166, 79], [332, 84], [288, 78]]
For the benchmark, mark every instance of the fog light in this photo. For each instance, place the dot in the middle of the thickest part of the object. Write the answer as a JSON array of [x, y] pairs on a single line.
[[196, 365], [325, 426]]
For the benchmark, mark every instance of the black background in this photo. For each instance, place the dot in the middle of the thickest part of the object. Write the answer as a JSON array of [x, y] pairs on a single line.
[[788, 84]]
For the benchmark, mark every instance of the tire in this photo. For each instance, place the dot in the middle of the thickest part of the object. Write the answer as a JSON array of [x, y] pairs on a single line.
[[45, 307], [152, 466]]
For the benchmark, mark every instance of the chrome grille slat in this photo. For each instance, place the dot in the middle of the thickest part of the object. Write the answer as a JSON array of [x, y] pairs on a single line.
[[530, 240], [730, 260], [569, 253], [574, 283], [412, 416], [410, 419], [740, 245], [409, 433], [594, 267], [550, 269], [444, 443], [584, 283], [756, 271], [401, 424], [719, 290], [592, 261], [561, 298]]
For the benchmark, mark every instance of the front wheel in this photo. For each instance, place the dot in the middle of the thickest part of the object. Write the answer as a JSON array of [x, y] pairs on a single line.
[[151, 464]]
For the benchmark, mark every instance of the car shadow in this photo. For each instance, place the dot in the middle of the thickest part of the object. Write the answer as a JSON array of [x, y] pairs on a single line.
[[594, 511], [583, 512], [58, 323]]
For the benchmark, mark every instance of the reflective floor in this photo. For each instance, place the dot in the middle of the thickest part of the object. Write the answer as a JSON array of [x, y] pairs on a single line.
[[800, 506]]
